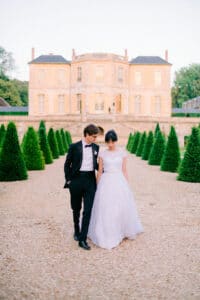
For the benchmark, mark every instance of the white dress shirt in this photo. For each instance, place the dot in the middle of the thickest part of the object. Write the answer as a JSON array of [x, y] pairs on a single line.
[[87, 162]]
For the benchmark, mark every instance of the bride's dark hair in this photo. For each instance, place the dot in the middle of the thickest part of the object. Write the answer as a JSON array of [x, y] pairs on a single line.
[[111, 136]]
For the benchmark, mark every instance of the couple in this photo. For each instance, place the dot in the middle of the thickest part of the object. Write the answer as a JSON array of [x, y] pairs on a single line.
[[109, 213]]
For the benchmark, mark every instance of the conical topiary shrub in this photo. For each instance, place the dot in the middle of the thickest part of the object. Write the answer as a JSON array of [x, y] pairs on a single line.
[[53, 143], [135, 142], [12, 164], [141, 144], [64, 140], [32, 153], [171, 156], [69, 137], [189, 169], [129, 141], [44, 145], [2, 134], [60, 143], [147, 146], [157, 129], [157, 150]]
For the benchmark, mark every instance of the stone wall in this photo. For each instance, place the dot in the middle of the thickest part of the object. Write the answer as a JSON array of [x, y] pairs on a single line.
[[123, 124]]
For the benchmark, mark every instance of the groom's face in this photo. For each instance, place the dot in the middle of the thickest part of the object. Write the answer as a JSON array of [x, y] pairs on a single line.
[[90, 138]]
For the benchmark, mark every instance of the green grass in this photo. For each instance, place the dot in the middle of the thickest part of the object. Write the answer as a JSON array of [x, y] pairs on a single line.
[[13, 113]]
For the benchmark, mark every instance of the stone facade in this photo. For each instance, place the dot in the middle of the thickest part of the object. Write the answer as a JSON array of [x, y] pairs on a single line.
[[123, 125], [99, 83]]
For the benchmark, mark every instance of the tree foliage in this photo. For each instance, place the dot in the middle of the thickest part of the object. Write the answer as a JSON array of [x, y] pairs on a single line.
[[189, 169], [12, 164], [186, 84], [171, 156], [141, 144], [31, 151], [53, 143], [147, 146], [6, 62], [157, 149]]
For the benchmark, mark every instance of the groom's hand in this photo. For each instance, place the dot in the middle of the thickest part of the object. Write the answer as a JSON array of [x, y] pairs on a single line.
[[67, 183]]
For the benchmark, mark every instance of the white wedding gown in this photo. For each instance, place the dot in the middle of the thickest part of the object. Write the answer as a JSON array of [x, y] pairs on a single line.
[[114, 213]]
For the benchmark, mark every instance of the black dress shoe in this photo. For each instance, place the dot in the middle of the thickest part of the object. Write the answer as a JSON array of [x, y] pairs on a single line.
[[76, 237], [84, 245]]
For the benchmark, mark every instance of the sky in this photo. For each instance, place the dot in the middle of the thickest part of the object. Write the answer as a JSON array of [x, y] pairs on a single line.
[[143, 27]]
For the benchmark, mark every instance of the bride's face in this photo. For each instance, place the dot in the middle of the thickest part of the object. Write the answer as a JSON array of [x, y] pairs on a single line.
[[111, 145]]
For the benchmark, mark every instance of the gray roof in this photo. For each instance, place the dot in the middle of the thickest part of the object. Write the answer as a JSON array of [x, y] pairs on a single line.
[[149, 60], [3, 102], [49, 59], [14, 108]]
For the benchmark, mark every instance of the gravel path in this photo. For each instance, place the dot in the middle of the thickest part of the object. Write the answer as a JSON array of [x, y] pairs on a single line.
[[40, 259]]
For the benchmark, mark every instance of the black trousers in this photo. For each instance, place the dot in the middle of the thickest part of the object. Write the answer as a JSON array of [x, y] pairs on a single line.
[[82, 190]]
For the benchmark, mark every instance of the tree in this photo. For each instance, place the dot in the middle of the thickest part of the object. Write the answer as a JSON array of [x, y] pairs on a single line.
[[147, 146], [186, 84], [6, 62], [9, 92], [157, 129], [135, 142], [129, 141], [157, 149], [31, 151], [12, 164], [141, 144], [171, 156], [53, 143], [44, 145], [60, 143], [22, 88], [189, 169], [69, 137], [2, 134], [64, 140]]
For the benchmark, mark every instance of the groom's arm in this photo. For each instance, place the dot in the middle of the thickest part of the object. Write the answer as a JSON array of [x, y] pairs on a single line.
[[68, 165]]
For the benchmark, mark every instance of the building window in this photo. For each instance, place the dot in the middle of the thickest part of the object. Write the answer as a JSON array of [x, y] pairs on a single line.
[[137, 104], [158, 78], [99, 103], [61, 100], [157, 105], [99, 73], [61, 76], [120, 74], [41, 103], [79, 103], [138, 78], [79, 74]]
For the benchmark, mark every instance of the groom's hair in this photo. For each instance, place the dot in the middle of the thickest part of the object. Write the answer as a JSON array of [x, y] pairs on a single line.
[[111, 136], [90, 130]]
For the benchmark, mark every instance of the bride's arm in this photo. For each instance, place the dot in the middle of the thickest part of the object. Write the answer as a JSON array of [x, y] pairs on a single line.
[[100, 169], [124, 169]]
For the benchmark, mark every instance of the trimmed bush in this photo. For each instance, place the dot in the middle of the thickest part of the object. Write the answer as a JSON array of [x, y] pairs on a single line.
[[135, 142], [171, 156], [44, 145], [189, 169], [60, 143], [141, 144], [31, 151], [53, 143], [64, 140], [147, 146], [69, 137], [157, 150], [157, 129], [12, 164], [128, 142], [2, 134]]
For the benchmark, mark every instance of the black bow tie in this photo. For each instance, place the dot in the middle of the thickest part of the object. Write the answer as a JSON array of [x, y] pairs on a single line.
[[90, 145]]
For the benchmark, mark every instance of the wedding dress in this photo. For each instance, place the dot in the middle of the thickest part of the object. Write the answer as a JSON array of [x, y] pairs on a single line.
[[114, 214]]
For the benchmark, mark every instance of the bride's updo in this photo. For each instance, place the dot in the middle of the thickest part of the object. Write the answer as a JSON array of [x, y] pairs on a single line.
[[111, 136]]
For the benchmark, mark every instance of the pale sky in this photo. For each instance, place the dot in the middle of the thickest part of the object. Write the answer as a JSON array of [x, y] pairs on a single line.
[[143, 27]]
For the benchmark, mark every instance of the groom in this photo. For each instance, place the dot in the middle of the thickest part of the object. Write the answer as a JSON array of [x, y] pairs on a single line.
[[79, 168]]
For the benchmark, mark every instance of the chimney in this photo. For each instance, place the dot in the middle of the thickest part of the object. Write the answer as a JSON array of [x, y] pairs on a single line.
[[126, 54], [166, 55], [33, 53], [73, 54]]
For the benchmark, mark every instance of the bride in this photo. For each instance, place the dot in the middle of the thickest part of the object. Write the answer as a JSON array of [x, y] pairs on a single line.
[[114, 214]]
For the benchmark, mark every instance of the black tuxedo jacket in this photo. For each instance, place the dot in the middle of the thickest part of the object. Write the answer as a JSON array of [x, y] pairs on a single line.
[[74, 160]]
